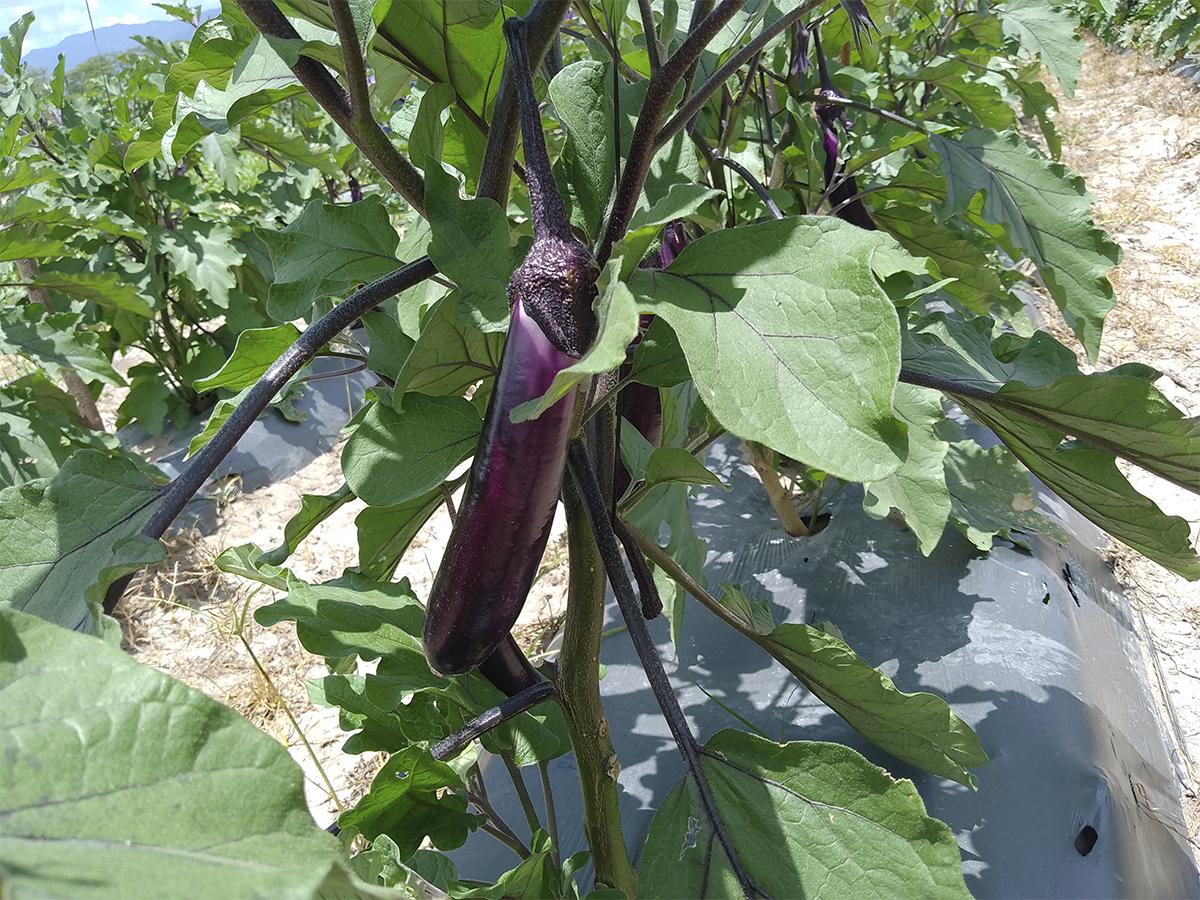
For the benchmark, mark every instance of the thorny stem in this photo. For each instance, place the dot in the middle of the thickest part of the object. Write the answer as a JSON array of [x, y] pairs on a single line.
[[700, 9], [352, 57], [584, 477], [650, 35], [717, 80], [362, 129], [654, 107]]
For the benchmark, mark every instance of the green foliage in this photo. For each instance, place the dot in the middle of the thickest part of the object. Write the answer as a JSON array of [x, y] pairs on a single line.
[[64, 540], [834, 802], [132, 747], [179, 215]]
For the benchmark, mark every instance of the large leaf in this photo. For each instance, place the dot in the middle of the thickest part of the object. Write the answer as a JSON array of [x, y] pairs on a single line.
[[395, 456], [918, 489], [327, 249], [206, 253], [450, 354], [260, 79], [409, 802], [64, 541], [39, 430], [582, 95], [384, 532], [314, 509], [459, 43], [1049, 32], [1045, 210], [120, 781], [1037, 399], [55, 341], [919, 728], [470, 246], [807, 819], [990, 495], [106, 289], [790, 339], [350, 616], [976, 283]]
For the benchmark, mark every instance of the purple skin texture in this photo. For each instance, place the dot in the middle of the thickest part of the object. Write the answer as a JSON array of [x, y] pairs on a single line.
[[504, 520]]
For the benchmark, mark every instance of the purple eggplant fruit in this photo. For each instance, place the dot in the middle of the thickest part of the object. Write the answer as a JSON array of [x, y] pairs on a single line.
[[504, 520], [641, 404], [841, 188]]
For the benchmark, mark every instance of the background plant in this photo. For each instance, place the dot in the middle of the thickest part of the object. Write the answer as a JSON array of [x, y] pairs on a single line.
[[831, 344]]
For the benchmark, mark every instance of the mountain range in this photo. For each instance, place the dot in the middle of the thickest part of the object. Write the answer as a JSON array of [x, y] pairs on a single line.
[[79, 48]]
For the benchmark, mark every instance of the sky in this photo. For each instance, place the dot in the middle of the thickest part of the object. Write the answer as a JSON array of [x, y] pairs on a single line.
[[57, 19]]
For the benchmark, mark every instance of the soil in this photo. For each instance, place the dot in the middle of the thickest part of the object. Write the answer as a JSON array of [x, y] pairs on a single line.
[[1131, 130]]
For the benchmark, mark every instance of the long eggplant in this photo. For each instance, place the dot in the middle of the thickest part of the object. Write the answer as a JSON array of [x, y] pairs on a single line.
[[504, 520], [843, 197]]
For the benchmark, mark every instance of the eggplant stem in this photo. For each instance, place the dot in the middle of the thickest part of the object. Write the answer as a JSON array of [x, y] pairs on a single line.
[[763, 194], [492, 718], [551, 810], [589, 488], [652, 605], [518, 781], [549, 214]]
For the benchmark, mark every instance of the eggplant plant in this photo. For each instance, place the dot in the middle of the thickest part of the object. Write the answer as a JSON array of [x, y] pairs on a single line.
[[803, 227]]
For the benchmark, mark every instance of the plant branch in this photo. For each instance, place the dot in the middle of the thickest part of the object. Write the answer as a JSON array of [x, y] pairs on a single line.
[[964, 394], [518, 781], [493, 718], [511, 841], [541, 23], [360, 127], [651, 36], [862, 107], [579, 692], [654, 107], [700, 9], [176, 495], [700, 96], [551, 810], [584, 477], [352, 57], [763, 194]]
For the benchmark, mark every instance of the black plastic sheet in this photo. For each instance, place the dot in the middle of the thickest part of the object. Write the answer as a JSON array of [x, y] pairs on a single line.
[[1036, 650]]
